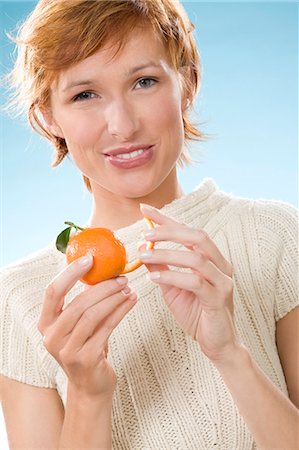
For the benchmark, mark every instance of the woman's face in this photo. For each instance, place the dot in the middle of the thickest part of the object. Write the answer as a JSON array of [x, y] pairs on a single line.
[[121, 117]]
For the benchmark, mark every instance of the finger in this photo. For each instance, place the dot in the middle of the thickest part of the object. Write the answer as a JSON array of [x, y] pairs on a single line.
[[156, 216], [196, 239], [100, 323], [187, 259], [104, 331], [59, 287], [158, 268], [151, 267], [95, 294], [187, 281], [141, 245]]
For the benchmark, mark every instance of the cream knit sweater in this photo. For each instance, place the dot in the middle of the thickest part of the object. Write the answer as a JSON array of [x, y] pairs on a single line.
[[169, 396]]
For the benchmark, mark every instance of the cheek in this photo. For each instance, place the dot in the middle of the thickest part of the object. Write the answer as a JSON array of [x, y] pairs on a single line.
[[81, 134], [167, 114], [78, 129]]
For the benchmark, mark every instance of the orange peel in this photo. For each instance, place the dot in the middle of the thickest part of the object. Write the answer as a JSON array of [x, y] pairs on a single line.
[[130, 267]]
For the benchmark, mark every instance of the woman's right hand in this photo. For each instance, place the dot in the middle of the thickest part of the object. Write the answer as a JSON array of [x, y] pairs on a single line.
[[77, 336]]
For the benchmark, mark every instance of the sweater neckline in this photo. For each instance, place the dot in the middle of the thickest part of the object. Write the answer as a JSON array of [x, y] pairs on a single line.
[[205, 197], [200, 202], [198, 197]]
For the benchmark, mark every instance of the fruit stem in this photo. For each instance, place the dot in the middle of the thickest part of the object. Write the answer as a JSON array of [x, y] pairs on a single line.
[[73, 225]]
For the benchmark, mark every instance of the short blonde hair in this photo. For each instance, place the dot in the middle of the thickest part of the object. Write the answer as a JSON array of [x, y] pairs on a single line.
[[59, 33]]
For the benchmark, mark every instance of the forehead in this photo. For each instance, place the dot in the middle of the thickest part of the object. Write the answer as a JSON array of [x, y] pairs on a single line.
[[141, 48]]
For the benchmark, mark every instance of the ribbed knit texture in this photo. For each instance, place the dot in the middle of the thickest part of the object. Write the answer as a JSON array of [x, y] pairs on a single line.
[[169, 396]]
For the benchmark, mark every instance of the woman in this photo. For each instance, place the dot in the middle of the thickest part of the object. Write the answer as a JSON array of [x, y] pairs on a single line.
[[200, 353]]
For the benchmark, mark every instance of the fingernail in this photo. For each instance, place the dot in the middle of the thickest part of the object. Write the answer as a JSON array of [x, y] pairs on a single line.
[[141, 244], [132, 297], [150, 234], [126, 290], [143, 205], [122, 280], [85, 260], [145, 255], [154, 275], [149, 207]]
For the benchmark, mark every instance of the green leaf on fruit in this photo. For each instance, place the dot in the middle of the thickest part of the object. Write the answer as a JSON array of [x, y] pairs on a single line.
[[63, 239]]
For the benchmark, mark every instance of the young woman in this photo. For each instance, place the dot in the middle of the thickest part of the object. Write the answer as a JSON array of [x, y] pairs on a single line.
[[199, 348]]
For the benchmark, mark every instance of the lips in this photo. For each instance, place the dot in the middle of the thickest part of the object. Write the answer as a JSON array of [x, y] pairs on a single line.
[[127, 150], [130, 157]]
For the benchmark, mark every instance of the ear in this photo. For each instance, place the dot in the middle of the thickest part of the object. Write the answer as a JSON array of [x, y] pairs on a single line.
[[51, 124]]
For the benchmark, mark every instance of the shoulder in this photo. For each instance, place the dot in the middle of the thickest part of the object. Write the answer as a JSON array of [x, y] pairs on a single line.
[[270, 226], [26, 278], [265, 232], [36, 267], [274, 214], [221, 212], [272, 221], [261, 216], [262, 230]]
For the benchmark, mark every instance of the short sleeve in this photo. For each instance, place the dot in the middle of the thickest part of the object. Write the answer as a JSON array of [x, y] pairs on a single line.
[[277, 227], [22, 354]]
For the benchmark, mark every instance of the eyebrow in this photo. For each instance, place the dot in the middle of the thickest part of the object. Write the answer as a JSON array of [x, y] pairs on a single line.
[[129, 73], [143, 66], [77, 83]]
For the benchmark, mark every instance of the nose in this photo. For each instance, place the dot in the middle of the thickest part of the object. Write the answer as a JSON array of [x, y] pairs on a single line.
[[121, 120]]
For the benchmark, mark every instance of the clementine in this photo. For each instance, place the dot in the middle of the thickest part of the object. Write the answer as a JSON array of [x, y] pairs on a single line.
[[108, 251]]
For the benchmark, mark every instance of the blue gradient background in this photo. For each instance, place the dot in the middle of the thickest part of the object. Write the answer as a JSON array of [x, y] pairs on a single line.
[[248, 104]]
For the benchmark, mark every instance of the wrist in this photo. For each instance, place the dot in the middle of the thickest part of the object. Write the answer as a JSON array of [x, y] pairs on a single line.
[[83, 399], [87, 421], [236, 359]]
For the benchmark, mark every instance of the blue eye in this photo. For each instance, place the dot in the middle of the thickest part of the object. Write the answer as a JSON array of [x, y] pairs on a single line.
[[145, 83], [84, 96]]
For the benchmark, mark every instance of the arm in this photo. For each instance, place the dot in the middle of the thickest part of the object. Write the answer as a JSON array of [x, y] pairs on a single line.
[[33, 415], [77, 337], [35, 418], [202, 303], [87, 422], [287, 338], [270, 415]]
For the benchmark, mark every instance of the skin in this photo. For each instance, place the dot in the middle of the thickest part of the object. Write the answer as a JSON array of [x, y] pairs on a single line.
[[201, 301], [122, 108]]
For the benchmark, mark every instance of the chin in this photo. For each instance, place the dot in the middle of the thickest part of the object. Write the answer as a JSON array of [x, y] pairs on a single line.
[[137, 187], [136, 193]]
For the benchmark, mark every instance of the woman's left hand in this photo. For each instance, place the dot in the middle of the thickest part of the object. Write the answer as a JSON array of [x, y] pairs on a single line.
[[201, 300]]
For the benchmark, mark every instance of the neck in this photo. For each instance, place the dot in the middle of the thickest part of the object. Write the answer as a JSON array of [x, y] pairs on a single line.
[[114, 211]]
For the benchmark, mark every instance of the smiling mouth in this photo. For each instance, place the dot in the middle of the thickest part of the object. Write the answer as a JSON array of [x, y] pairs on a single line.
[[128, 158], [130, 151], [130, 155]]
